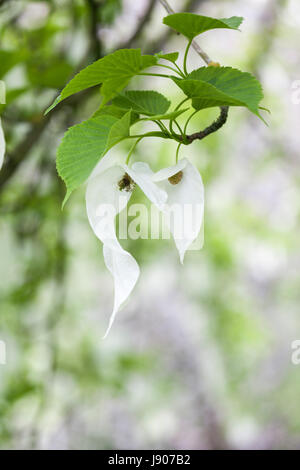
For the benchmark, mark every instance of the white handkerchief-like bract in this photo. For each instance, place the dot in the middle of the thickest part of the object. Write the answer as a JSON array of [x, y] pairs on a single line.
[[108, 192], [2, 145], [184, 210], [2, 140]]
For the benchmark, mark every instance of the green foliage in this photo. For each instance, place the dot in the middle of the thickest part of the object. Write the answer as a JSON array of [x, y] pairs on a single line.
[[227, 317], [115, 111], [147, 102], [190, 25], [206, 87], [171, 56], [221, 86], [114, 71], [84, 144]]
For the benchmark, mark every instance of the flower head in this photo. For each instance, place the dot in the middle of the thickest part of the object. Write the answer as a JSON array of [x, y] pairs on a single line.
[[184, 209], [2, 140], [108, 192]]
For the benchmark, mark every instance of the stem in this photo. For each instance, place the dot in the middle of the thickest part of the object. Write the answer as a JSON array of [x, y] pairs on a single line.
[[161, 125], [177, 151], [185, 57], [172, 120], [167, 7], [171, 68], [195, 45], [224, 109], [149, 134], [179, 128], [155, 75], [188, 120], [180, 71], [132, 149], [179, 138], [216, 125], [181, 103]]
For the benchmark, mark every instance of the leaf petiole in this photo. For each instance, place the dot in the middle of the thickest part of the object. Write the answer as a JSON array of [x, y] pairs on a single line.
[[185, 56], [178, 71], [177, 151], [188, 120], [145, 74], [161, 126], [133, 149]]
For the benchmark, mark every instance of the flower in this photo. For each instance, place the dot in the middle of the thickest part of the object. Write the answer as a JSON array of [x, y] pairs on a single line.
[[108, 192], [177, 191], [2, 140], [2, 145], [184, 209]]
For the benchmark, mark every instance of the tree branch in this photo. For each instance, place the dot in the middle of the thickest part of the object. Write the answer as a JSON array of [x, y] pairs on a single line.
[[195, 45], [139, 27], [14, 159], [93, 19], [216, 125]]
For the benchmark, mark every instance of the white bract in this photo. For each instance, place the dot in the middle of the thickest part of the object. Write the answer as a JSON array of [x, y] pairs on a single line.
[[108, 192], [2, 145], [177, 191], [184, 210], [2, 140]]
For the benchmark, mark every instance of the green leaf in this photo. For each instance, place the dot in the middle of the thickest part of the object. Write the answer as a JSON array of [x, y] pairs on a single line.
[[190, 25], [171, 56], [114, 70], [119, 130], [222, 86], [84, 144], [112, 87], [168, 116], [113, 110], [143, 102]]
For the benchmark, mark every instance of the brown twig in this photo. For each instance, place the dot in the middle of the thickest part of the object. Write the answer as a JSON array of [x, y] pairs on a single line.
[[215, 126], [195, 45], [139, 27], [93, 19]]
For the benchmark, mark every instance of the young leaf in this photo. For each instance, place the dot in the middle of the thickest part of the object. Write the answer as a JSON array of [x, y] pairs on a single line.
[[143, 102], [190, 25], [222, 86], [114, 70], [84, 144], [115, 111], [171, 56], [119, 130], [111, 88]]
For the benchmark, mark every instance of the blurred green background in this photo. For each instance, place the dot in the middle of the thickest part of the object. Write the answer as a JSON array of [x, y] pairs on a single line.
[[200, 358]]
